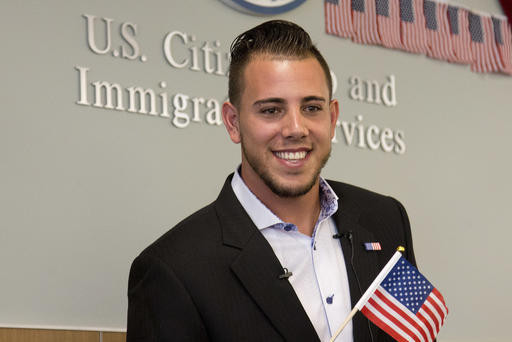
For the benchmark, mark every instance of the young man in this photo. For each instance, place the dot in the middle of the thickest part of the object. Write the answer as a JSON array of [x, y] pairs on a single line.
[[280, 255]]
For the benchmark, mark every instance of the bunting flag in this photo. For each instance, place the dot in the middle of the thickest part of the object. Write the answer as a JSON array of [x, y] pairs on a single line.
[[460, 36], [429, 27], [388, 23], [438, 31], [414, 37], [482, 44], [503, 39], [338, 18], [364, 19]]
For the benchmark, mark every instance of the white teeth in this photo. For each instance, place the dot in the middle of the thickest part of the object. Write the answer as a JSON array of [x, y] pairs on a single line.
[[291, 155]]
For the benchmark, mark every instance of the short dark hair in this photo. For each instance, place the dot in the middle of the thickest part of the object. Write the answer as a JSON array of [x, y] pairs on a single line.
[[276, 38]]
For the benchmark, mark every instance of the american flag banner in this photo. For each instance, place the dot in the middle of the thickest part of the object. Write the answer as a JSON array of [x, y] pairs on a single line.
[[388, 23], [438, 31], [482, 44], [460, 36], [502, 36], [406, 305], [338, 18], [364, 18], [414, 36], [429, 27]]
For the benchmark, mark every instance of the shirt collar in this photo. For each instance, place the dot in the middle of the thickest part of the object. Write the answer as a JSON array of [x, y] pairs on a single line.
[[263, 217], [328, 200]]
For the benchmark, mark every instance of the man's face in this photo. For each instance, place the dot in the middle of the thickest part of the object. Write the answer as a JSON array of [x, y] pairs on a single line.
[[285, 123]]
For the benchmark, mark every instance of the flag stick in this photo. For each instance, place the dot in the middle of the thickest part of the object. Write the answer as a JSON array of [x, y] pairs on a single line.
[[348, 319], [369, 292]]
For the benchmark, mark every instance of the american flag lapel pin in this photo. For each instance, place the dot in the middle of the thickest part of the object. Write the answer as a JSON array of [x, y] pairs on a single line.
[[372, 246]]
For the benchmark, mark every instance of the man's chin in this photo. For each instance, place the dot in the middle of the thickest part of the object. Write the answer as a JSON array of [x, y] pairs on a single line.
[[289, 190]]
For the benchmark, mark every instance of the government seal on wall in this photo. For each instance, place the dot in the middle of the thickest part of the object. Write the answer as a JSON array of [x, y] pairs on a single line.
[[264, 7]]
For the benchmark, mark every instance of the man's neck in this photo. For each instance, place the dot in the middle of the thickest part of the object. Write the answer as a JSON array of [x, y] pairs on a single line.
[[302, 211]]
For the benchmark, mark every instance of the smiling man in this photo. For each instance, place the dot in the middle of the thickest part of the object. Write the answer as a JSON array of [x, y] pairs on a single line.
[[282, 254], [284, 120]]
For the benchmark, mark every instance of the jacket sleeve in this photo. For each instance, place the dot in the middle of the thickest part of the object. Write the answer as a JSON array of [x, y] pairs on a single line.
[[159, 306]]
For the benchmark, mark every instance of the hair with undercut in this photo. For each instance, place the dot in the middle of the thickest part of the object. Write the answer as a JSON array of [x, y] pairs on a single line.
[[277, 39]]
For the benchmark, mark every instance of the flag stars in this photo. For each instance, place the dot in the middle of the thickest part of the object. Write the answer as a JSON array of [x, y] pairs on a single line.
[[407, 285]]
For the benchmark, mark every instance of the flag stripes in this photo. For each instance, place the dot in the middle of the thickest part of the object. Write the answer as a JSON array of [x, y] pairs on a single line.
[[384, 323], [388, 23], [414, 36], [492, 44], [406, 326], [432, 313], [438, 31], [364, 18], [437, 297], [460, 36], [339, 18], [426, 315], [503, 37], [480, 31]]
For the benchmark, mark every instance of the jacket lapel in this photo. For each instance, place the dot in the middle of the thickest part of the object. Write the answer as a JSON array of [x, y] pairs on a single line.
[[258, 270], [361, 265]]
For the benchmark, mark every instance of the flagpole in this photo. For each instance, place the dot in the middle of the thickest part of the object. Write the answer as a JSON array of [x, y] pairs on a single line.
[[369, 292], [348, 319]]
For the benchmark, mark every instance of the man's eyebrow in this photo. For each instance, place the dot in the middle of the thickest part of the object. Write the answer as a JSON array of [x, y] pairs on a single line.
[[281, 101], [314, 98], [269, 100]]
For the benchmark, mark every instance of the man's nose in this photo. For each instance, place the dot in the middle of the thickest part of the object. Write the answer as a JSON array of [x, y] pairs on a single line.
[[295, 125]]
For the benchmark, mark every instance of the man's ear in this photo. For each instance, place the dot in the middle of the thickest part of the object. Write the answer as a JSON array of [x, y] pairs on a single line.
[[335, 112], [230, 116]]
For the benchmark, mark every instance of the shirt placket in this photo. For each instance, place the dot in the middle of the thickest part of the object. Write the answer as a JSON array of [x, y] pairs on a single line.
[[323, 256]]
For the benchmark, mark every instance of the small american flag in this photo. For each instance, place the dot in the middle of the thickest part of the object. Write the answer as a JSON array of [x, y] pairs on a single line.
[[364, 18], [372, 246], [460, 36], [338, 18], [482, 44], [406, 305], [438, 31], [503, 39], [414, 37], [388, 23]]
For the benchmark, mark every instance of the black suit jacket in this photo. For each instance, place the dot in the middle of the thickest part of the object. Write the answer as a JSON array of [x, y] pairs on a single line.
[[214, 277]]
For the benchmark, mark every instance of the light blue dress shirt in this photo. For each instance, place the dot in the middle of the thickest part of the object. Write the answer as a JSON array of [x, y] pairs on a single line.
[[319, 274]]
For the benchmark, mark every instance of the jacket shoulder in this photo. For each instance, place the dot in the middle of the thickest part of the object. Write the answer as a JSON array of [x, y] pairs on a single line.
[[194, 230]]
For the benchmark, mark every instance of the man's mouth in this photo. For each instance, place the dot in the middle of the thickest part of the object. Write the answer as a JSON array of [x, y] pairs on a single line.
[[291, 156]]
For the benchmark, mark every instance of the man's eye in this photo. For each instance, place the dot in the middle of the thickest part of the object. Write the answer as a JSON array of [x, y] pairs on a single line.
[[312, 108], [270, 110]]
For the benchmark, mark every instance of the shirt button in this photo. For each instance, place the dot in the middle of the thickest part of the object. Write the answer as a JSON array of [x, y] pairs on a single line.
[[329, 299], [288, 227]]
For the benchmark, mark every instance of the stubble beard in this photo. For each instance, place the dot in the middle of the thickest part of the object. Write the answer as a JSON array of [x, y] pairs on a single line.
[[273, 184]]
